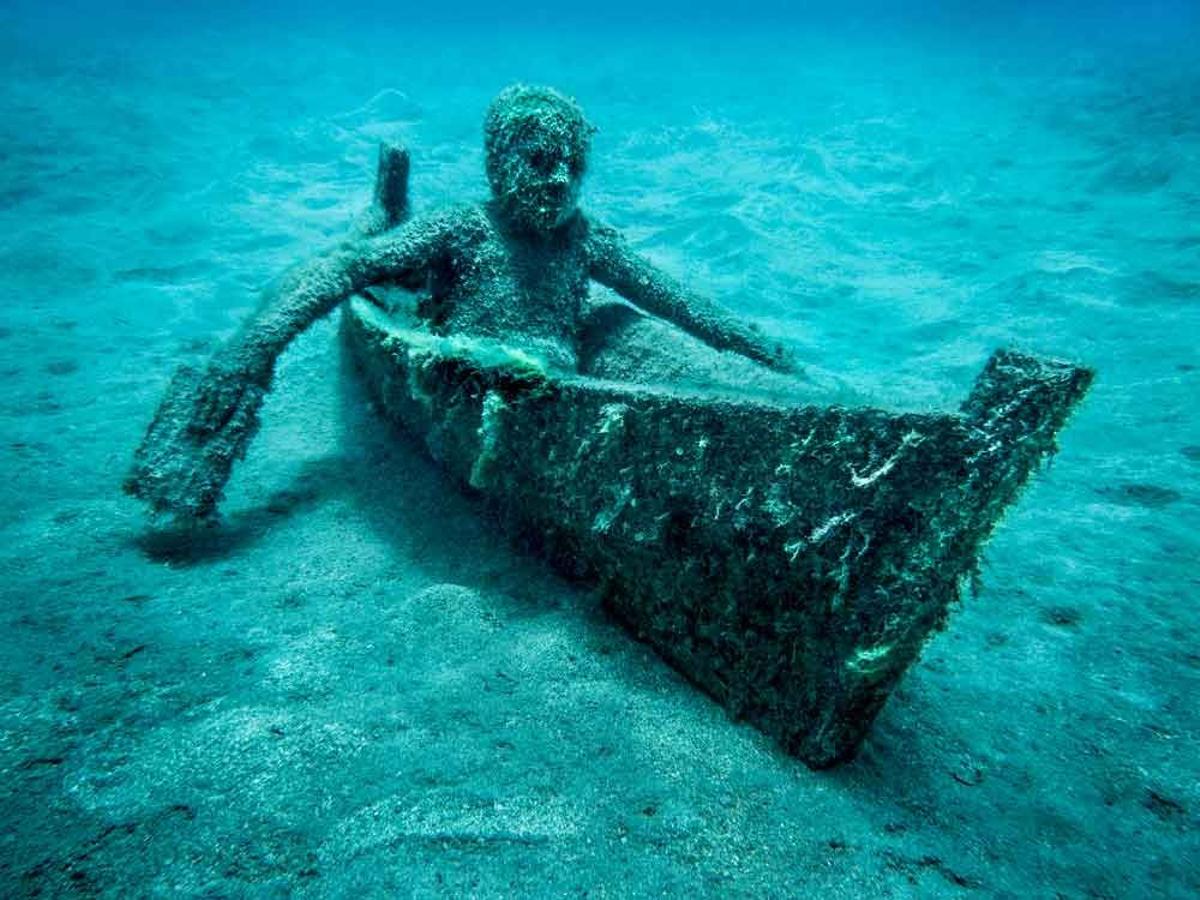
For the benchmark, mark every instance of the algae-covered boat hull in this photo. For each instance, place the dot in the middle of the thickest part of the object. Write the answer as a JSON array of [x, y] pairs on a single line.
[[790, 561]]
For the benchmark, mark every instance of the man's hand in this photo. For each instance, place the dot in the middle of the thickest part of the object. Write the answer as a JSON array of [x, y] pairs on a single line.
[[752, 343]]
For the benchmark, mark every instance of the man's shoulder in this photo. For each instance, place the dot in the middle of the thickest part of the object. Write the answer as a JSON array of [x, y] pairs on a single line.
[[595, 229], [605, 244], [460, 215], [461, 221]]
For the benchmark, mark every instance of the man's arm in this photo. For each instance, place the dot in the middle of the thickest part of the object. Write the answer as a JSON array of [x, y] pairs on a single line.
[[312, 289], [615, 265], [207, 419], [309, 291]]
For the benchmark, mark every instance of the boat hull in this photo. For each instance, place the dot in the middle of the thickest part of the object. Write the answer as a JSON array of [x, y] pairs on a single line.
[[790, 561]]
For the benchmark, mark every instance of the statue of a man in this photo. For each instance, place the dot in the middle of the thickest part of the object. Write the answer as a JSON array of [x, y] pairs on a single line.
[[515, 267]]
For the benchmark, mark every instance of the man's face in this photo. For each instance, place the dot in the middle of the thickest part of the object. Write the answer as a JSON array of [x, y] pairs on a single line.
[[540, 180]]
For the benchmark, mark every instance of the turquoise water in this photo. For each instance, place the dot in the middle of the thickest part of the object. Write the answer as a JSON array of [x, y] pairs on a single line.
[[357, 685]]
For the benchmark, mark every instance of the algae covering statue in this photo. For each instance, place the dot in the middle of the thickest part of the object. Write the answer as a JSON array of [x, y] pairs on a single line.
[[516, 267]]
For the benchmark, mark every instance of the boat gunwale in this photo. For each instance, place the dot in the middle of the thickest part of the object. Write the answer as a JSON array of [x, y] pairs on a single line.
[[457, 348]]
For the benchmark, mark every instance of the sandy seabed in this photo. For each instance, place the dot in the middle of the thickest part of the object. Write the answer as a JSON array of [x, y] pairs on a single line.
[[357, 685]]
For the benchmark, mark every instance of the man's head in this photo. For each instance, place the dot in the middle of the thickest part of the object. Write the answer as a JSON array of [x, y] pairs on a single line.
[[536, 141]]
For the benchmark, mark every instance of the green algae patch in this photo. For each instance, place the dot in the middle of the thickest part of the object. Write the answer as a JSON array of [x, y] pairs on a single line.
[[489, 439], [482, 352]]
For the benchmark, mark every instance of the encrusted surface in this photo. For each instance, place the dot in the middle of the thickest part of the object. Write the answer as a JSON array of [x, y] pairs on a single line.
[[790, 561]]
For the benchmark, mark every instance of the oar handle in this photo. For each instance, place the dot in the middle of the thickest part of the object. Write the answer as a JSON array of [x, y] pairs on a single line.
[[391, 184]]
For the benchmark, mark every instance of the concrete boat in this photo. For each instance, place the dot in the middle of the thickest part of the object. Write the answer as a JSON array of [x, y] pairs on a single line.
[[791, 560]]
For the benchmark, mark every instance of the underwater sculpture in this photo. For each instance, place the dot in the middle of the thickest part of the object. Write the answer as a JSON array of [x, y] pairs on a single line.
[[791, 560], [516, 267]]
